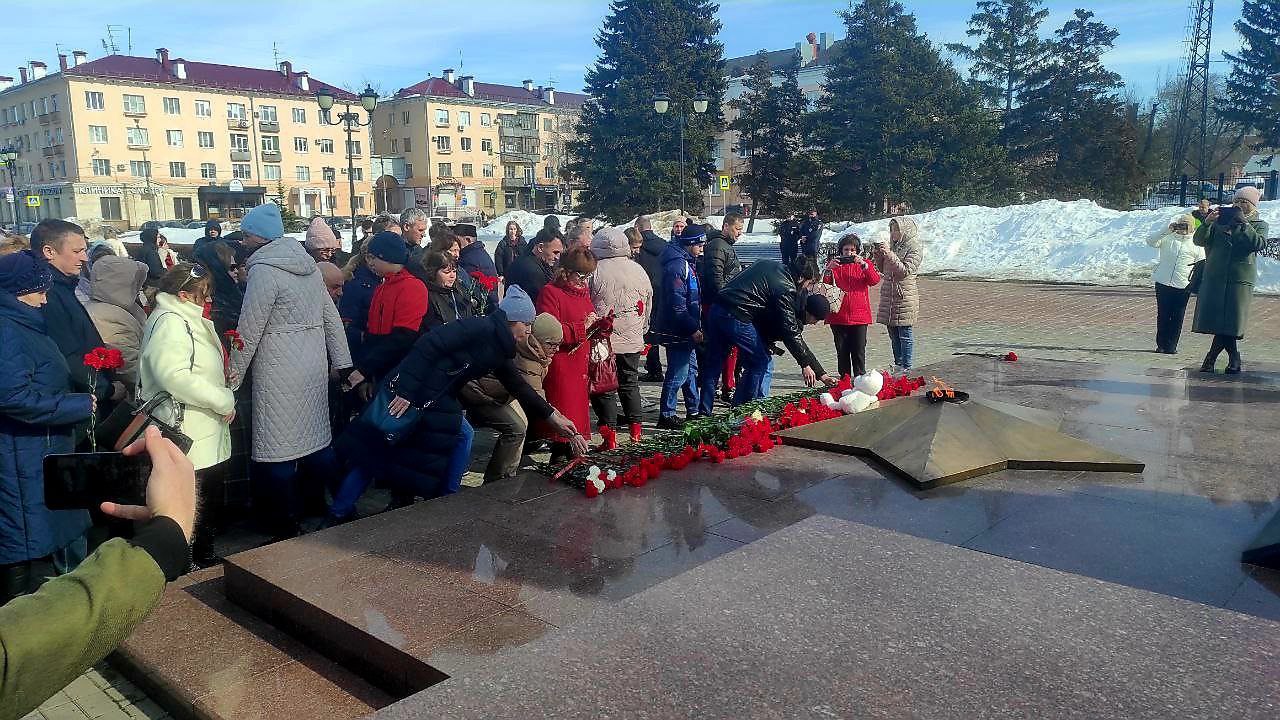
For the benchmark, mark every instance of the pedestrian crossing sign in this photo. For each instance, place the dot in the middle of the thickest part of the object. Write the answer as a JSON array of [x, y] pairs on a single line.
[[33, 201], [724, 182]]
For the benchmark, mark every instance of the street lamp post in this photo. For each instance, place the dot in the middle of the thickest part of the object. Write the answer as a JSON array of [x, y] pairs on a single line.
[[330, 176], [661, 103], [9, 153], [146, 172], [351, 120]]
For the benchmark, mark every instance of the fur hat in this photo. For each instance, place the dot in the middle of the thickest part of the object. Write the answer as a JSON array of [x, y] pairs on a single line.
[[320, 236], [464, 230]]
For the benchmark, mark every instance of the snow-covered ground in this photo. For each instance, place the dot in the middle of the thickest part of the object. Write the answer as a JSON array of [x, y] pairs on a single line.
[[1050, 241]]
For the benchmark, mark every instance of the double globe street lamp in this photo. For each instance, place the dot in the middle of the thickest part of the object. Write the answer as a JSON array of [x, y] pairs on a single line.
[[662, 103], [351, 120]]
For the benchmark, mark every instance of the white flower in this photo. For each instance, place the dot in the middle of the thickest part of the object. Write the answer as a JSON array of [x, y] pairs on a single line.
[[757, 416], [598, 483]]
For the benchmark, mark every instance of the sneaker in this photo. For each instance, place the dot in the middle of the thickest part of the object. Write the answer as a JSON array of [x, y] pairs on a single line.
[[670, 422]]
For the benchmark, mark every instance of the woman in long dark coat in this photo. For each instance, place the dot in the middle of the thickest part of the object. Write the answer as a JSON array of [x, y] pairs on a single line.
[[1231, 246]]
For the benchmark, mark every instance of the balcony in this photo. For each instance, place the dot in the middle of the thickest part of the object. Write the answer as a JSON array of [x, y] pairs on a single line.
[[516, 183], [519, 158], [240, 156], [135, 113], [271, 156], [51, 117], [145, 145], [237, 123], [269, 126], [513, 130], [53, 150]]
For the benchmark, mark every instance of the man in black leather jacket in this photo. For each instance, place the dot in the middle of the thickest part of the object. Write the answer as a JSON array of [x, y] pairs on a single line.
[[651, 260], [765, 303]]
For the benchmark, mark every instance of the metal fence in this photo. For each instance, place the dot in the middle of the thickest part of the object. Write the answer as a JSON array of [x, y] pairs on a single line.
[[1186, 192]]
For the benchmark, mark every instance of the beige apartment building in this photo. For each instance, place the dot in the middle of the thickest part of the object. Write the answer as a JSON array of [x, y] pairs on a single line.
[[129, 139], [472, 148]]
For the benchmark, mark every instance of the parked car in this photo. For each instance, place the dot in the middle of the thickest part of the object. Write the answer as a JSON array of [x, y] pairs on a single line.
[[439, 219], [195, 225], [339, 223]]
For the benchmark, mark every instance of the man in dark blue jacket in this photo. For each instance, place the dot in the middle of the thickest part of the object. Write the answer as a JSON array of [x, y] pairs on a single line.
[[811, 230], [789, 238], [679, 325], [473, 257]]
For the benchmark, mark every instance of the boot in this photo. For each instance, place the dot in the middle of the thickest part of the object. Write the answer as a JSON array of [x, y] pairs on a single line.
[[1233, 365], [1209, 362], [670, 422], [636, 432]]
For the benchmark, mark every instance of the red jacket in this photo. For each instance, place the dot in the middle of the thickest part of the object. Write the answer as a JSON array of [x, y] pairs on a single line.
[[566, 383], [854, 279], [400, 301]]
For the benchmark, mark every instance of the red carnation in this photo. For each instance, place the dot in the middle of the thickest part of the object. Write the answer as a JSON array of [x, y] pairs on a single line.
[[488, 282], [1010, 357], [640, 307], [234, 340]]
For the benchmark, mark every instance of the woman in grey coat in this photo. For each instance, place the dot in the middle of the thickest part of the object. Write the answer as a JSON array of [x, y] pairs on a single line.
[[292, 339], [899, 307]]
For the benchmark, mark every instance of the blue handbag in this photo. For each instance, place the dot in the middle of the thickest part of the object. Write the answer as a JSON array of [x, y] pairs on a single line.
[[377, 414]]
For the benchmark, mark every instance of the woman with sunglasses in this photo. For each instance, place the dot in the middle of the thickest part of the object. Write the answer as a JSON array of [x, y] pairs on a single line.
[[182, 355], [568, 299], [1231, 238]]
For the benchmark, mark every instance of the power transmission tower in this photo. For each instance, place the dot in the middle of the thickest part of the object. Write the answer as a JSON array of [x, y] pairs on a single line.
[[1193, 106]]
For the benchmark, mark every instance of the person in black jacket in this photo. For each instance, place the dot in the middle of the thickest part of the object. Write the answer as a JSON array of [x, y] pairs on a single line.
[[533, 270], [509, 248], [811, 230], [789, 238], [430, 462], [719, 265], [651, 260], [445, 300], [150, 238], [764, 304]]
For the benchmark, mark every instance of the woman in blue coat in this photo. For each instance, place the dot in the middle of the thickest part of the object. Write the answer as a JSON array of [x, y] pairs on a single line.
[[37, 413]]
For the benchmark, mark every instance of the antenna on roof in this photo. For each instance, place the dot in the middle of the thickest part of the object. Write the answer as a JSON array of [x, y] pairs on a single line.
[[109, 42], [459, 61], [275, 55]]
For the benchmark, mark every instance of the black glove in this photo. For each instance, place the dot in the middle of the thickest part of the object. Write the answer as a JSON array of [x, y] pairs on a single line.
[[775, 350]]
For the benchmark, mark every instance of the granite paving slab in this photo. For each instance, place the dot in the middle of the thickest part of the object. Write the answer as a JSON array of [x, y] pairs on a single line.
[[829, 619]]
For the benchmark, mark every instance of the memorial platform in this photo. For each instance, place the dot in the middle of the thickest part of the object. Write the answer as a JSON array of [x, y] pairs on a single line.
[[422, 610]]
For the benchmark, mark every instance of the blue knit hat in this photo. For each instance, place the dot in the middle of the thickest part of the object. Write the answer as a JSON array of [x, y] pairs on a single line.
[[388, 247], [693, 234], [22, 274], [264, 221], [517, 306]]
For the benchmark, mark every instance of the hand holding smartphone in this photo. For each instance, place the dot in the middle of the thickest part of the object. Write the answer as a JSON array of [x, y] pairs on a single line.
[[80, 481]]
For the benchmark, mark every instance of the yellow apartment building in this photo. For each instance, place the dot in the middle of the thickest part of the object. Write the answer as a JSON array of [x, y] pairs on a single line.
[[129, 139], [472, 148]]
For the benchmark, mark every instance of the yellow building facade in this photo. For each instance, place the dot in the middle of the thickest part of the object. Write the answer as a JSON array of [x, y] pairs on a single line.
[[473, 148], [129, 139]]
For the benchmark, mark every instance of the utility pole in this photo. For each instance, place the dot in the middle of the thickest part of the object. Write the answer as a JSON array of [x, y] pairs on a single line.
[[1193, 107]]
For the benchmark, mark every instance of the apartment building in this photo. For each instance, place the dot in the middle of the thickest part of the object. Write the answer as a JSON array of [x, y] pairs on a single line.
[[812, 55], [470, 147], [129, 139]]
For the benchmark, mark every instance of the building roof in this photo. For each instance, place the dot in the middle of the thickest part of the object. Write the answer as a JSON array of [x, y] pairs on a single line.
[[439, 87], [200, 74], [778, 59], [1262, 164]]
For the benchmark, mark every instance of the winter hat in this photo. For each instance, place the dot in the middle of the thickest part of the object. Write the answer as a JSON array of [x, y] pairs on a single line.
[[817, 305], [693, 234], [22, 274], [149, 236], [551, 222], [548, 329], [610, 242], [320, 236], [388, 247], [516, 305], [264, 221], [1250, 193], [464, 230], [212, 225]]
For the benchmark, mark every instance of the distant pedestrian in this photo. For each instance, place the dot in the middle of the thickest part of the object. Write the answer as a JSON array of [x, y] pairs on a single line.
[[1231, 238], [854, 275], [898, 262], [509, 248], [789, 238], [651, 260], [1178, 252], [811, 235]]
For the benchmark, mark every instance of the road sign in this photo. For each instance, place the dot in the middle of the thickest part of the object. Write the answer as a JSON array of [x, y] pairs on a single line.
[[33, 201], [724, 182]]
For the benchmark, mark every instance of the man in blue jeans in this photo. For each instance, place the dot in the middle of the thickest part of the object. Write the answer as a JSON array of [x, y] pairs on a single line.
[[764, 304], [679, 322]]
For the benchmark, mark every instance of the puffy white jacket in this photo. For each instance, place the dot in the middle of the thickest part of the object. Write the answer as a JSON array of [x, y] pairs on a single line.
[[182, 355], [620, 284], [1177, 254]]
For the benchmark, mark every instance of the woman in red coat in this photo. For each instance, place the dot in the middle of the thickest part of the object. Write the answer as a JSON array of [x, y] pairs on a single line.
[[854, 275], [569, 300]]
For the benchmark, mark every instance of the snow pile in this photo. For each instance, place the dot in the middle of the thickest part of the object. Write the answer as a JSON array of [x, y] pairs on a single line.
[[530, 224]]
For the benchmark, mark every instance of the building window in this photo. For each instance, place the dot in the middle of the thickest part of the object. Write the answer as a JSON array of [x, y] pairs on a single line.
[[177, 169], [444, 143], [101, 167], [204, 109], [93, 101], [509, 199], [299, 145], [138, 137], [325, 146], [509, 171], [465, 144], [172, 106], [489, 198], [391, 118], [240, 171], [208, 171], [353, 147], [140, 168], [407, 146], [442, 116], [359, 202], [326, 117], [487, 170], [173, 137], [486, 119], [300, 116], [271, 143], [110, 208], [270, 172], [395, 145], [358, 174], [548, 173], [204, 139], [182, 208], [98, 134], [235, 111], [239, 142], [464, 118], [404, 118], [135, 104], [486, 145], [408, 169], [302, 172], [467, 170], [267, 113], [546, 124]]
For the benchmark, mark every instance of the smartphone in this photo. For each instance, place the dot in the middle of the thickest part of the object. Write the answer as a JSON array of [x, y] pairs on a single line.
[[1228, 215], [79, 481]]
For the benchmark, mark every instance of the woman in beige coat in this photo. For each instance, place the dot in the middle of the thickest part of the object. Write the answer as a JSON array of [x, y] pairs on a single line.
[[898, 263], [621, 286]]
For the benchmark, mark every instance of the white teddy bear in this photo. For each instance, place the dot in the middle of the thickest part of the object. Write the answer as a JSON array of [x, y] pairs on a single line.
[[861, 397]]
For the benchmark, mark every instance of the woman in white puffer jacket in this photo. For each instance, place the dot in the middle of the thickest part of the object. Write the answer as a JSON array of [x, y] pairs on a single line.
[[1172, 275]]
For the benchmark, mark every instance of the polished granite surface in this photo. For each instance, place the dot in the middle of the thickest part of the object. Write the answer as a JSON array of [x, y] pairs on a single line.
[[407, 598], [831, 619]]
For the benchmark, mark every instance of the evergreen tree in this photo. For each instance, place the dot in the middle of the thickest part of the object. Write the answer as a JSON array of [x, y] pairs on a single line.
[[899, 123], [293, 222], [1073, 134], [769, 132], [1009, 49], [626, 154], [1252, 96]]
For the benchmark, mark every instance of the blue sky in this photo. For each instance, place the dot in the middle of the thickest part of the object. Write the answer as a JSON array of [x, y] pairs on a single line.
[[396, 43]]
